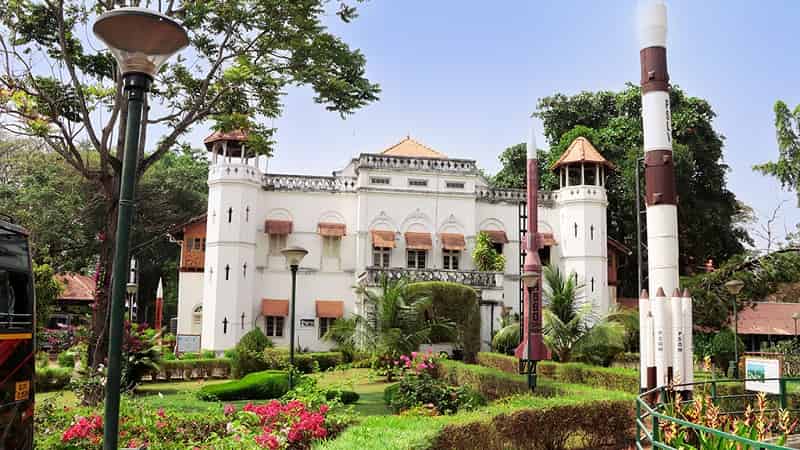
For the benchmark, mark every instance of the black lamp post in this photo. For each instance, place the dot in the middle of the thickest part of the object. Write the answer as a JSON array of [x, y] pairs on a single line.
[[293, 257], [734, 287], [795, 317], [141, 42]]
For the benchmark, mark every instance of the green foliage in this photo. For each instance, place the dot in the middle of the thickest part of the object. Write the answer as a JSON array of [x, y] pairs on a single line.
[[612, 121], [424, 390], [491, 383], [507, 339], [278, 358], [268, 384], [722, 348], [52, 378], [787, 168], [141, 355], [486, 258], [66, 359], [712, 305], [346, 397], [614, 378], [47, 290], [391, 325], [343, 332], [248, 355], [451, 303], [203, 368], [570, 328]]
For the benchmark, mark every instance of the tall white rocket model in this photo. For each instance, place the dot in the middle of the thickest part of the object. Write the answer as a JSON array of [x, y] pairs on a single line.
[[663, 320]]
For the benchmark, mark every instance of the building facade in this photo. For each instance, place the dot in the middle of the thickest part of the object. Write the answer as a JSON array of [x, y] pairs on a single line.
[[406, 211]]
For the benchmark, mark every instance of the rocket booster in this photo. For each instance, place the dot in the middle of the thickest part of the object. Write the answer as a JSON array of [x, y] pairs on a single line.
[[662, 213], [665, 322]]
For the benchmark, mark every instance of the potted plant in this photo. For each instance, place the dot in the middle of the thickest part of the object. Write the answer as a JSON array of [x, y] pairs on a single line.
[[487, 259]]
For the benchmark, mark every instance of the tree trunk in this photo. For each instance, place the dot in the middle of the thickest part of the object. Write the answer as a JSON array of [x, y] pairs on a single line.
[[98, 338]]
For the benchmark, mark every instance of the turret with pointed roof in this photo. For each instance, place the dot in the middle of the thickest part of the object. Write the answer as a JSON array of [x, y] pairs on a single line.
[[581, 151]]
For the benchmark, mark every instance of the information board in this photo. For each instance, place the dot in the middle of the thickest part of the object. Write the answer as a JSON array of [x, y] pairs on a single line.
[[307, 323], [187, 343], [758, 372]]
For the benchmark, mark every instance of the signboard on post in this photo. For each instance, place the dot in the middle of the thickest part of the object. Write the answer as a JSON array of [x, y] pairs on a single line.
[[762, 374], [187, 343], [307, 323]]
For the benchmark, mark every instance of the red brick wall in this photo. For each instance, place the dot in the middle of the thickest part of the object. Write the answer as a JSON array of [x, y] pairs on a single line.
[[192, 258]]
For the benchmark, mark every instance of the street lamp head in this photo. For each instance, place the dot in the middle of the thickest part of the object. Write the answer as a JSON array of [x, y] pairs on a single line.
[[131, 288], [141, 40], [294, 255], [734, 286], [796, 316]]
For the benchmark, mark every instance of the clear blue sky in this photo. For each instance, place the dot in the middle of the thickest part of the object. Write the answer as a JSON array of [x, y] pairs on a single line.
[[463, 76]]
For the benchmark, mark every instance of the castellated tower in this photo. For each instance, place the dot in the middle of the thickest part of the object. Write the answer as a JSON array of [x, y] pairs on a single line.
[[234, 182], [581, 201]]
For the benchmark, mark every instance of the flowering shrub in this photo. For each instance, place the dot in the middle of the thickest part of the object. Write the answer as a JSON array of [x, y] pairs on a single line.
[[417, 363], [757, 424], [292, 425], [421, 393], [276, 425], [84, 432]]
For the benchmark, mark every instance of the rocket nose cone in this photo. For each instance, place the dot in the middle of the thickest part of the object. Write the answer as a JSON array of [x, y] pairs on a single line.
[[644, 294], [686, 293], [676, 292], [660, 293]]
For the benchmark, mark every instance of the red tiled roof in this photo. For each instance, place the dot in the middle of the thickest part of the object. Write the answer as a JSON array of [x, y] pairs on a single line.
[[76, 287], [768, 318], [581, 150], [410, 148]]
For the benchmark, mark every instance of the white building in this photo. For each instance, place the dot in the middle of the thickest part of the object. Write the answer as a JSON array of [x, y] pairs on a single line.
[[409, 210]]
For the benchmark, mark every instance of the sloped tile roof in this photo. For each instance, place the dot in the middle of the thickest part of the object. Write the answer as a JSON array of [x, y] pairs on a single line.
[[581, 150], [411, 148], [76, 287], [769, 318]]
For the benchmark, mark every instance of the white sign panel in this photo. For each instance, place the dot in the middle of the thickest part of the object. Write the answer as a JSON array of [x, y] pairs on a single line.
[[307, 323], [759, 369], [187, 343]]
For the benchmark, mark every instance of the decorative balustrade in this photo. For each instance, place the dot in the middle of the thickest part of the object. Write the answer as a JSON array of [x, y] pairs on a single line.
[[373, 276], [309, 183], [373, 161], [495, 195]]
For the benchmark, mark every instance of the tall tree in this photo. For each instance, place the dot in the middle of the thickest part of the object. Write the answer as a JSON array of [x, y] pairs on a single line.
[[707, 210], [787, 168], [243, 53]]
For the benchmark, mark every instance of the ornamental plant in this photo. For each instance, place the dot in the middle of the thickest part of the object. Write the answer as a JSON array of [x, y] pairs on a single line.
[[486, 258], [760, 423], [277, 425]]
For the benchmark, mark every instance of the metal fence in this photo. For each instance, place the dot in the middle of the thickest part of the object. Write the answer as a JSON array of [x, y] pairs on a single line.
[[653, 410]]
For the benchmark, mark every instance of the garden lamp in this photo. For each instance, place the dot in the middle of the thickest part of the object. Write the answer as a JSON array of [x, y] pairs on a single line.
[[294, 255], [141, 41], [734, 287], [795, 317]]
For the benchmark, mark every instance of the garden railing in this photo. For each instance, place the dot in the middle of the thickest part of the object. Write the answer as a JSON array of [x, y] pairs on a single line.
[[652, 414]]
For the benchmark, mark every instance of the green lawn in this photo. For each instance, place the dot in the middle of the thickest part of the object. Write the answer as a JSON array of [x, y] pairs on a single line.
[[369, 388], [180, 395], [393, 432]]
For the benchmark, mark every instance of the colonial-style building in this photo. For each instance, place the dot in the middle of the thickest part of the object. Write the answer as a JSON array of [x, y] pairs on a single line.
[[406, 211]]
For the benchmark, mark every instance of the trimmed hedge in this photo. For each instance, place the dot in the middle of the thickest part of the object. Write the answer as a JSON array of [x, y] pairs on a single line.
[[458, 303], [390, 392], [491, 383], [52, 378], [247, 355], [346, 397], [193, 368], [278, 359], [264, 385], [591, 425], [614, 378]]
